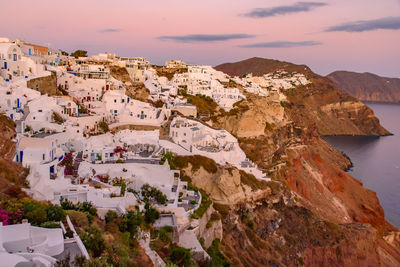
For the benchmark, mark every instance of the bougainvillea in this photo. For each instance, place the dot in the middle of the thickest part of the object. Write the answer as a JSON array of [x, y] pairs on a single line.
[[4, 217], [120, 150], [68, 163]]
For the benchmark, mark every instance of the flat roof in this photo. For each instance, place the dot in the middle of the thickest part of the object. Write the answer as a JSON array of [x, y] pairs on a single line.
[[31, 142]]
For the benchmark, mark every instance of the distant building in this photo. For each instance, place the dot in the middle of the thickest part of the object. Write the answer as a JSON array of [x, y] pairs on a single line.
[[175, 64]]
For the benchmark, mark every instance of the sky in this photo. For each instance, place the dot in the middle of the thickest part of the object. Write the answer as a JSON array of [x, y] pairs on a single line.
[[356, 35]]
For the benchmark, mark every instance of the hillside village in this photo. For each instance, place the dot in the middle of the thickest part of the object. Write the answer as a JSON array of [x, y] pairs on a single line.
[[86, 137]]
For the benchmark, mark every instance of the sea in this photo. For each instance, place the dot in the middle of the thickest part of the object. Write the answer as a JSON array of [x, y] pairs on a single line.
[[376, 160]]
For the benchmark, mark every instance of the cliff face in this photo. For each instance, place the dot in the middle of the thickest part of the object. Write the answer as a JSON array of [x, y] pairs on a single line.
[[45, 85], [12, 175], [333, 112], [367, 86], [314, 213], [320, 103], [277, 226]]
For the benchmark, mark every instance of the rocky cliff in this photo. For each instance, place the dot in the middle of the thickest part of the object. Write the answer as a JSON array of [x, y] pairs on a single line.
[[46, 85], [321, 102], [12, 175], [313, 213], [367, 86]]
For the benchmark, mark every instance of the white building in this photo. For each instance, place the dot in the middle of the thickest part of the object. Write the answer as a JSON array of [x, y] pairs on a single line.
[[14, 64], [40, 152], [41, 114], [87, 71], [131, 111], [26, 245]]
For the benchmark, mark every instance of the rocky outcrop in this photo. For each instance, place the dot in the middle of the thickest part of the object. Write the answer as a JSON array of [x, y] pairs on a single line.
[[278, 231], [321, 102], [209, 228], [332, 111], [252, 117], [12, 175], [45, 85], [316, 214], [225, 185], [367, 86]]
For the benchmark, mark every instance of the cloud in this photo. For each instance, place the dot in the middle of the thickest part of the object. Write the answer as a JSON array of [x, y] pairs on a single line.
[[388, 23], [193, 38], [282, 44], [283, 10], [110, 30]]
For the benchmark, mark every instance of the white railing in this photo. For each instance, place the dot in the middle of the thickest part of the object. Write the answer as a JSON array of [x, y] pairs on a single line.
[[78, 240]]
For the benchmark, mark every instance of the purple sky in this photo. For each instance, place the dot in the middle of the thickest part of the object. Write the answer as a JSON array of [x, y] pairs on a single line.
[[356, 35]]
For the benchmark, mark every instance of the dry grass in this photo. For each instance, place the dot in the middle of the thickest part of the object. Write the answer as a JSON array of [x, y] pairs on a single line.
[[196, 161], [252, 181]]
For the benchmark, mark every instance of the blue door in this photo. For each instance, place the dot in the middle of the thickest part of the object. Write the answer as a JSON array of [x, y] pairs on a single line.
[[30, 51], [17, 102], [51, 169], [21, 154], [15, 57], [5, 65], [12, 116]]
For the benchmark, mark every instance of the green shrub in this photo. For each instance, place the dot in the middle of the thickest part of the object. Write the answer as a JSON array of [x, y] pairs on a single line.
[[217, 258], [204, 205], [36, 217], [50, 224], [55, 213], [151, 215], [151, 193], [93, 240], [78, 218], [111, 216], [181, 256], [130, 222]]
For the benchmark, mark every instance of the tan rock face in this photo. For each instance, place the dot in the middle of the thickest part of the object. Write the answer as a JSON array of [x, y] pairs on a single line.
[[223, 186], [332, 111], [253, 117], [45, 85], [209, 232], [7, 133]]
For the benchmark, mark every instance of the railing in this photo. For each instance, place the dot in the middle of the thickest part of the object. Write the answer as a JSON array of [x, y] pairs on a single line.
[[78, 240]]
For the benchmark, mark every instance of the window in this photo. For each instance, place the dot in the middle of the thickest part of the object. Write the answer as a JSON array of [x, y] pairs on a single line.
[[115, 100], [44, 156], [122, 100]]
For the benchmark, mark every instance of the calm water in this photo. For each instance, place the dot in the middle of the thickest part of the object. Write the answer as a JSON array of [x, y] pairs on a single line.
[[377, 159]]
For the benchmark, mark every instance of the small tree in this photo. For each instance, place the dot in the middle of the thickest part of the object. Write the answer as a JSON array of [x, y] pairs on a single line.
[[181, 256], [93, 240], [55, 213], [151, 215], [79, 53], [111, 216]]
